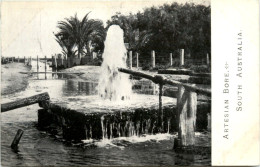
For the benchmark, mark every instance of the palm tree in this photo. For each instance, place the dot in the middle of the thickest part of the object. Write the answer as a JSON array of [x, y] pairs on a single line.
[[96, 37], [78, 32], [67, 46]]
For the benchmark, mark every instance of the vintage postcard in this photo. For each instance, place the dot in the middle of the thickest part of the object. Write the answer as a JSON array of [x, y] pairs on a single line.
[[130, 83]]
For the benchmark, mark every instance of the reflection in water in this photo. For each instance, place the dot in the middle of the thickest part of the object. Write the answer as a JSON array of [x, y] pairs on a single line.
[[145, 87], [88, 87], [72, 88], [38, 148]]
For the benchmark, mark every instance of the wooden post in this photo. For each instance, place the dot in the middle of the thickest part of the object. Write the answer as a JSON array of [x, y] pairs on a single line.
[[207, 59], [137, 60], [18, 60], [37, 67], [187, 108], [17, 139], [45, 67], [94, 55], [209, 122], [160, 120], [24, 60], [130, 60], [25, 102], [30, 60], [153, 58], [182, 57], [170, 59], [37, 64], [55, 60]]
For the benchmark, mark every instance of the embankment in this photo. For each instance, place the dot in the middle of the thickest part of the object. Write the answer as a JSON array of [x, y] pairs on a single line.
[[12, 80]]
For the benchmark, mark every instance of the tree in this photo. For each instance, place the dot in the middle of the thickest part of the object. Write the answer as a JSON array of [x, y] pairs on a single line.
[[67, 46], [96, 38], [129, 26], [168, 28], [77, 32]]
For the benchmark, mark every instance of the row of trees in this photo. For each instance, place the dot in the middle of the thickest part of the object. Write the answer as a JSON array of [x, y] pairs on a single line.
[[168, 28], [164, 29]]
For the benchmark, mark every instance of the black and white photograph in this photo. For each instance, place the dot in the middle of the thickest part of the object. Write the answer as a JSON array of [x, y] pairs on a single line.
[[107, 83]]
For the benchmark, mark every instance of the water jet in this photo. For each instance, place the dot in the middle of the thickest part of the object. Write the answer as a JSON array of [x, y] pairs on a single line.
[[114, 85], [115, 111]]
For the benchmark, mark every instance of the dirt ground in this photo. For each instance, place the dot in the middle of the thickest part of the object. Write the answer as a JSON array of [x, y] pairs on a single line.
[[11, 80]]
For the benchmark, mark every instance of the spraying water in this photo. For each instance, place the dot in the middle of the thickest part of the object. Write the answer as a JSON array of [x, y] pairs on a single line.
[[114, 85]]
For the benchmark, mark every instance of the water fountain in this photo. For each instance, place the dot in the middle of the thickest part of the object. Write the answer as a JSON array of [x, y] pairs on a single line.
[[115, 111], [114, 85]]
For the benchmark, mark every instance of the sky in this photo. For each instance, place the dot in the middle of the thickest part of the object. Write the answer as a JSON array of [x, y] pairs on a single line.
[[27, 27]]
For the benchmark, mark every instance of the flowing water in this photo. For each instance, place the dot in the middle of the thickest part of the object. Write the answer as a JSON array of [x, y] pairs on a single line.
[[114, 85], [38, 148]]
